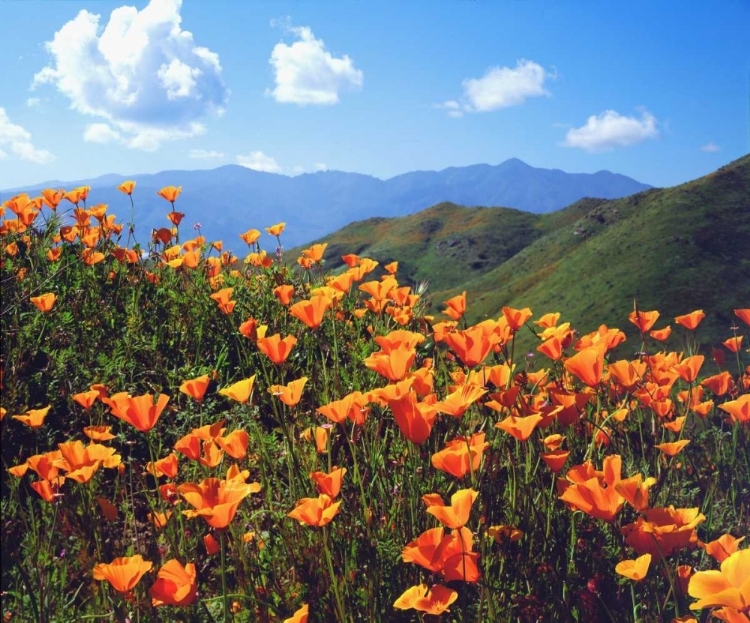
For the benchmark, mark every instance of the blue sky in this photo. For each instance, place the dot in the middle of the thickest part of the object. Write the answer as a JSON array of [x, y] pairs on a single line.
[[654, 90]]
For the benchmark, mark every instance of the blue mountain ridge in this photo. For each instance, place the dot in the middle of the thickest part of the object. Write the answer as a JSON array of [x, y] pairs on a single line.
[[230, 199]]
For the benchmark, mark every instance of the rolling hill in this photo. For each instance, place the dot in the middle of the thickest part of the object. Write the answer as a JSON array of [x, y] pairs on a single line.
[[674, 250], [231, 199]]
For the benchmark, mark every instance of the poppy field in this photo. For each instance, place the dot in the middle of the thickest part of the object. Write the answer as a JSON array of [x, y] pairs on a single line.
[[194, 435]]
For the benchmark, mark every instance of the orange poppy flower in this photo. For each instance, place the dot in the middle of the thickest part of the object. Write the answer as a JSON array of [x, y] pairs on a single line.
[[315, 511], [593, 492], [48, 490], [689, 367], [234, 444], [159, 519], [300, 616], [459, 401], [743, 314], [78, 194], [520, 427], [211, 544], [140, 411], [241, 391], [635, 490], [672, 449], [338, 410], [311, 311], [636, 569], [216, 500], [315, 252], [729, 587], [723, 547], [127, 187], [516, 317], [176, 218], [587, 364], [170, 193], [123, 573], [34, 418], [644, 320], [52, 198], [738, 410], [330, 483], [692, 320], [504, 534], [661, 334], [249, 329], [250, 236], [284, 293], [167, 466], [434, 600], [175, 585], [276, 230], [317, 434], [98, 433], [393, 365], [457, 514], [461, 455], [551, 348], [733, 343], [628, 373], [555, 459], [276, 349], [414, 419], [53, 255], [456, 306], [195, 388], [471, 345], [45, 302], [663, 531], [45, 465], [291, 393], [86, 399]]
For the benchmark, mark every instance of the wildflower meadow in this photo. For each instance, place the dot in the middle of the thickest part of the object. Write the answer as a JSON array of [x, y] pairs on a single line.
[[194, 435]]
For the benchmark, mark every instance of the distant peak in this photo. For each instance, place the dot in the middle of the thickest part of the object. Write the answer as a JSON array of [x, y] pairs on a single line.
[[515, 162]]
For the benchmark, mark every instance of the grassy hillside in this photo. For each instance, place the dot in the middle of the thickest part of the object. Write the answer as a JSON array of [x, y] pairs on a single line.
[[674, 249]]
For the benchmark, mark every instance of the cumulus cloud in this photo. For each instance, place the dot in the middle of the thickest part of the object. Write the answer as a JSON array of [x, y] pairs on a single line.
[[18, 140], [258, 161], [500, 87], [611, 129], [711, 148], [101, 133], [204, 154], [306, 73], [141, 73]]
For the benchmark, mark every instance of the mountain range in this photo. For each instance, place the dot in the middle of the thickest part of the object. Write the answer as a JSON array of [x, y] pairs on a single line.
[[674, 250], [231, 199]]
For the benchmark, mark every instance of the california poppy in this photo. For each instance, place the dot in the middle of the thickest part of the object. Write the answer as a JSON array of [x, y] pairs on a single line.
[[175, 585], [250, 236], [329, 483], [457, 402], [241, 391], [457, 514], [733, 343], [52, 198], [275, 230], [44, 302], [461, 455], [196, 388], [123, 573], [414, 419], [127, 187], [520, 427], [216, 500], [315, 511], [170, 193], [594, 492], [456, 306], [729, 587], [315, 252], [275, 348], [634, 569], [393, 365], [291, 393], [723, 547], [284, 293], [300, 615], [555, 459], [644, 320], [635, 490], [516, 317], [86, 399], [672, 449], [743, 314], [167, 466], [34, 418], [738, 410], [311, 311], [689, 367], [211, 544], [434, 600], [692, 320], [471, 345], [661, 334], [588, 364], [663, 531], [140, 411], [504, 534]]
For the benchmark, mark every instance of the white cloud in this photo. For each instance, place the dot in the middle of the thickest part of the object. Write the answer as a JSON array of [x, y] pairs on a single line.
[[140, 72], [101, 133], [711, 148], [320, 166], [306, 73], [3, 155], [18, 140], [258, 161], [203, 154], [611, 129], [500, 87], [33, 101]]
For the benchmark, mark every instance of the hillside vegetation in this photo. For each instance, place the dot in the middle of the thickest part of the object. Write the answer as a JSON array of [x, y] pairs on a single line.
[[670, 249]]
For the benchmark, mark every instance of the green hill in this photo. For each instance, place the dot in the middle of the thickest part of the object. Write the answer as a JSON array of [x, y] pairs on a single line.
[[674, 249]]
